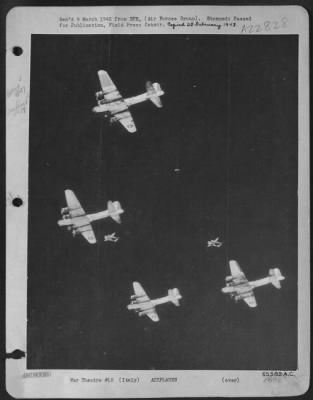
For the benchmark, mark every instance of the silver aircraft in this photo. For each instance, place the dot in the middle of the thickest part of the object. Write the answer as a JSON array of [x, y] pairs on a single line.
[[78, 222], [143, 305], [239, 288], [116, 108]]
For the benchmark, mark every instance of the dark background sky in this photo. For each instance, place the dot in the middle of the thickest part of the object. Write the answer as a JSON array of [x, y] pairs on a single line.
[[229, 123]]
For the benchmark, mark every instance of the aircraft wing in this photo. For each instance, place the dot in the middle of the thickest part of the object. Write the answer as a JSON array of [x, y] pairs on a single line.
[[235, 269], [139, 291], [88, 234], [127, 121], [81, 222], [153, 315], [109, 90], [105, 81], [250, 300], [75, 208], [142, 297], [82, 225]]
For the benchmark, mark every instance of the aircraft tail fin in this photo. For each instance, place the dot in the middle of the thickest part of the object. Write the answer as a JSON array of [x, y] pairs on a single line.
[[276, 277], [154, 92], [115, 209], [174, 296]]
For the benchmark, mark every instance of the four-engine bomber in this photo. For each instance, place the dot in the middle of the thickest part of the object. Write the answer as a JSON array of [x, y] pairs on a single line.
[[113, 106], [239, 288]]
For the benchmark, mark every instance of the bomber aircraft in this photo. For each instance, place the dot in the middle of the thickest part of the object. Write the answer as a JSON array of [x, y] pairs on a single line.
[[116, 108], [143, 305], [78, 222], [239, 288]]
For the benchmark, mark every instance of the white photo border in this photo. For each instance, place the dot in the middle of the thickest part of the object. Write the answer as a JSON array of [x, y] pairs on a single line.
[[22, 22]]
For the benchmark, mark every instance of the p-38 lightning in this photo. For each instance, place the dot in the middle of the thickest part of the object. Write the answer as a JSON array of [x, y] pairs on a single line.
[[239, 288], [78, 222], [116, 108], [143, 305]]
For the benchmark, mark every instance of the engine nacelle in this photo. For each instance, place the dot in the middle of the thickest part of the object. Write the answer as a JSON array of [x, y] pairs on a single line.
[[142, 313], [114, 119], [99, 95], [65, 210], [135, 296]]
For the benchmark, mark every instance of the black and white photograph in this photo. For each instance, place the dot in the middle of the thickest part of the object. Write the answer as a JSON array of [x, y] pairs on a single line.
[[163, 208], [204, 184]]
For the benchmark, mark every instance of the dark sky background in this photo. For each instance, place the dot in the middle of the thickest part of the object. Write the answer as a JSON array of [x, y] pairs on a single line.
[[229, 123]]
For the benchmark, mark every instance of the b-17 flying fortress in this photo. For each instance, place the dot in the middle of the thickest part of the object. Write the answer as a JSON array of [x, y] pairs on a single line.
[[116, 108], [78, 222], [143, 305], [113, 106], [239, 288]]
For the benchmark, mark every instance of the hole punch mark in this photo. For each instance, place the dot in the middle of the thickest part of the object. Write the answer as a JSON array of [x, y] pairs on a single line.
[[17, 202], [15, 355], [17, 50]]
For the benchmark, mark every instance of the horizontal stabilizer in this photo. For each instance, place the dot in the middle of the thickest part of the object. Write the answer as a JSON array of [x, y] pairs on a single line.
[[114, 210], [276, 277], [154, 92], [277, 284], [174, 296]]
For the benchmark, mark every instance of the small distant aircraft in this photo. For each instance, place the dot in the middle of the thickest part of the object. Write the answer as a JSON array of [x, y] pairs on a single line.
[[215, 243], [239, 288], [116, 108], [111, 237], [143, 305], [78, 222]]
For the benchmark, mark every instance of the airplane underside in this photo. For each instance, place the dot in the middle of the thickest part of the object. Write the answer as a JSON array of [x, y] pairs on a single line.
[[239, 296], [113, 106]]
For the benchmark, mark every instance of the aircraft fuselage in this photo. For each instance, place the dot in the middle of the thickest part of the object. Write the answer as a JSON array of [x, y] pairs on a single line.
[[119, 105], [238, 288], [79, 220], [68, 221], [104, 214], [137, 304], [242, 286]]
